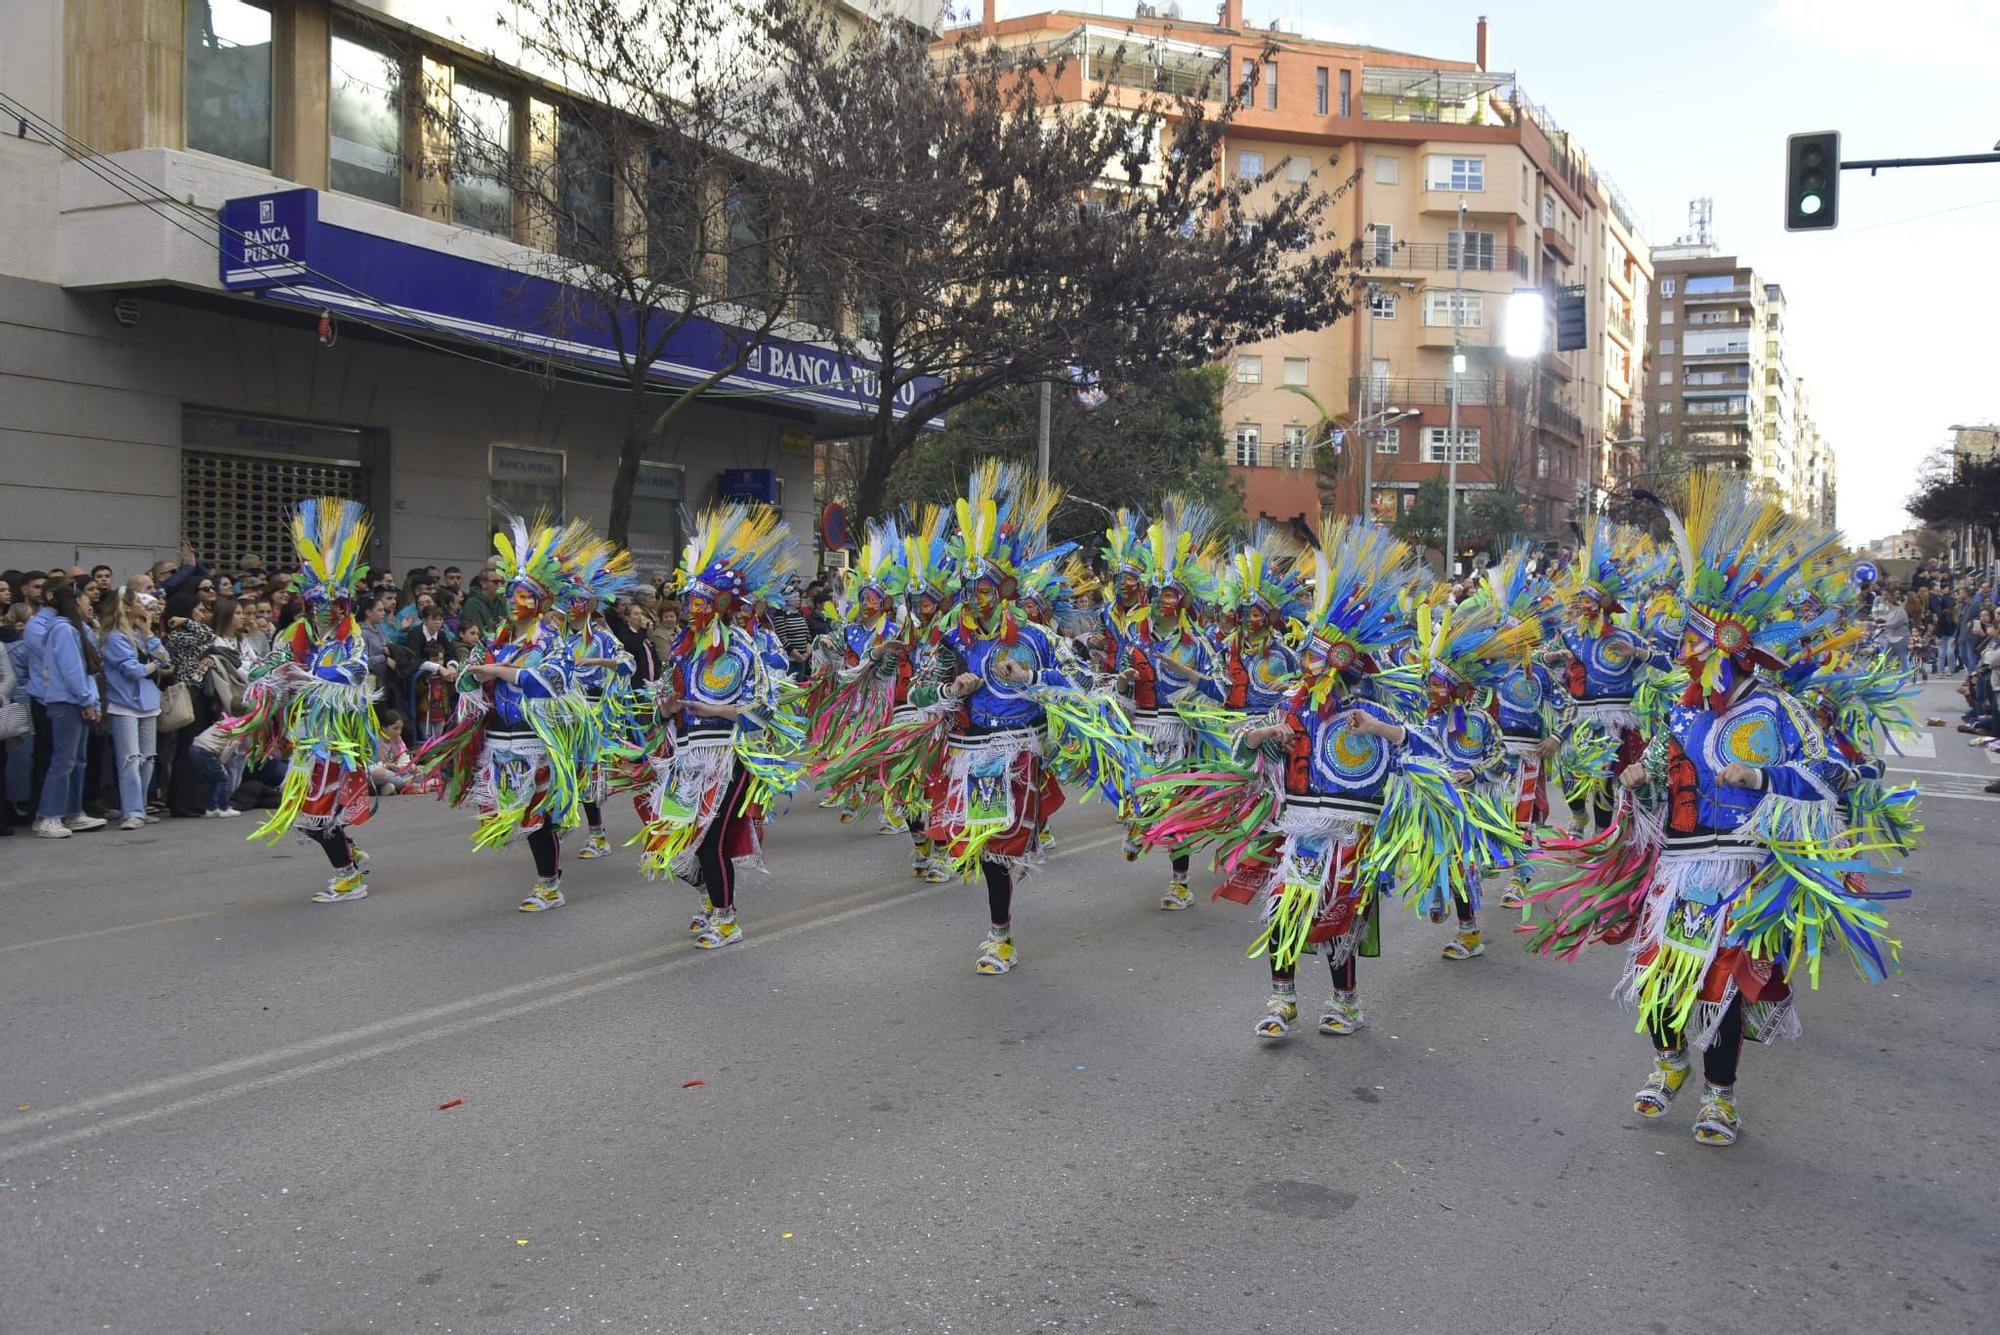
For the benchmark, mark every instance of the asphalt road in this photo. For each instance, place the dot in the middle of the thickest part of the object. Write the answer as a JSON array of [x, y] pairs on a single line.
[[229, 1108]]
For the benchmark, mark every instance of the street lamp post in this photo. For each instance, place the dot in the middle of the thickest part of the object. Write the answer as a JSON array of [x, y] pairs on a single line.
[[1451, 436]]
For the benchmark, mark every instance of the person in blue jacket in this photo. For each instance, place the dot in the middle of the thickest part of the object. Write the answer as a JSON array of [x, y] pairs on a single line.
[[133, 664], [63, 676]]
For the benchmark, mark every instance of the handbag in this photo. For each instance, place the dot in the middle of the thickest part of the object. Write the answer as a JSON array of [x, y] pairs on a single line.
[[176, 707], [15, 720]]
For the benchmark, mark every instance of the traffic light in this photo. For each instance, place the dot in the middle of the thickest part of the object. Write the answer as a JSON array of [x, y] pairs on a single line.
[[1812, 181], [1572, 323]]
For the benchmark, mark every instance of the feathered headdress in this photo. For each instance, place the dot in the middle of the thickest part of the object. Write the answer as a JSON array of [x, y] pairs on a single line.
[[1358, 570], [1598, 570], [596, 571], [1179, 550], [1739, 554], [332, 537], [878, 565], [1003, 525], [530, 554], [737, 551], [1262, 572], [1124, 550], [1512, 585], [927, 553], [1470, 646]]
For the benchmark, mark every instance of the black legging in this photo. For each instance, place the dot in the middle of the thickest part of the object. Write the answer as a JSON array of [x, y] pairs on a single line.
[[546, 845], [999, 892], [1719, 1062], [334, 842], [1343, 974], [718, 869], [593, 815], [918, 823], [1180, 866]]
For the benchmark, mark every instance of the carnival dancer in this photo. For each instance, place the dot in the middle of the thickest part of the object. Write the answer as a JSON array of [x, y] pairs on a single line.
[[1730, 870], [309, 699], [1170, 665], [1297, 821], [1604, 661], [595, 574], [864, 698], [1011, 707], [1529, 704], [524, 733], [732, 745], [1463, 654]]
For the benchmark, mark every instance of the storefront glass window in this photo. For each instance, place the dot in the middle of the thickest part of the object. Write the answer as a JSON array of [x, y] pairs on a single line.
[[365, 116], [229, 79]]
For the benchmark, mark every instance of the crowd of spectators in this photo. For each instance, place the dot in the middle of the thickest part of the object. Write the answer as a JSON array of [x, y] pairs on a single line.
[[110, 690]]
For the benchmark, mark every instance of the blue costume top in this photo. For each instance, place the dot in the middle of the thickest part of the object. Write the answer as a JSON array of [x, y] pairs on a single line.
[[546, 666]]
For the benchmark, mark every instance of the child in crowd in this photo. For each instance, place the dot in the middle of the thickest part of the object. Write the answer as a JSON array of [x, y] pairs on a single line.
[[218, 768]]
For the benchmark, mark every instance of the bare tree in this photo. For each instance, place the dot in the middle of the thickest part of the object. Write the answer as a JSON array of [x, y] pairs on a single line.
[[652, 181], [1011, 234]]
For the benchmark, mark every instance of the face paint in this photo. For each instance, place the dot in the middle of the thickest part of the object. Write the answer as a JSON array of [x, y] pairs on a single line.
[[701, 610], [1257, 620], [527, 602], [927, 606], [1129, 590], [871, 603], [984, 594], [1170, 601]]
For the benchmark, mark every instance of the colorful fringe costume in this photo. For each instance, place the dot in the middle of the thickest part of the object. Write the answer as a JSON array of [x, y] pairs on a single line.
[[1731, 870], [1015, 716], [524, 734], [1608, 659], [596, 573], [310, 700], [1528, 704], [728, 743]]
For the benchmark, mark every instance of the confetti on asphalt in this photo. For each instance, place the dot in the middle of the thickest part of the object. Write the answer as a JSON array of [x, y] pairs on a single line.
[[451, 1103], [520, 1242], [785, 1236], [691, 1084]]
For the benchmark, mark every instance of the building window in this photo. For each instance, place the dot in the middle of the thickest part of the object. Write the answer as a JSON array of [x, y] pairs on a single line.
[[526, 480], [229, 80], [1479, 249], [1388, 167], [1667, 287], [1247, 437], [1384, 237], [1297, 369], [1249, 370], [744, 213], [1667, 376], [1438, 444], [1249, 88], [583, 176], [1666, 315], [1319, 90], [1388, 439], [1347, 92], [1466, 310], [482, 149], [1666, 407], [1271, 85], [1296, 453], [1298, 170], [1526, 191], [1548, 210], [1712, 284], [1382, 305], [1443, 172], [1666, 347], [364, 122], [1249, 166]]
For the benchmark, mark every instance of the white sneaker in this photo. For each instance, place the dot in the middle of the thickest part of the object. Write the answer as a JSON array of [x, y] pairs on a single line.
[[229, 811], [132, 823], [150, 818], [50, 828], [210, 814], [78, 823]]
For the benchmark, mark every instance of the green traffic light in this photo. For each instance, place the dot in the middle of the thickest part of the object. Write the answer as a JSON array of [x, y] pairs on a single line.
[[1809, 204]]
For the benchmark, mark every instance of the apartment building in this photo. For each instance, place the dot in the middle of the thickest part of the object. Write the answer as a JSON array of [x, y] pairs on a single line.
[[1727, 394], [225, 283], [1443, 155]]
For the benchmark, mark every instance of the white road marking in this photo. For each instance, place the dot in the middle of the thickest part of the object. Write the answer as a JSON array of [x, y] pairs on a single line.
[[678, 955], [109, 931], [1939, 773]]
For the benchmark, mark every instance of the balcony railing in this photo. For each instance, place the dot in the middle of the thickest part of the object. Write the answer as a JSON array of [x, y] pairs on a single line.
[[1741, 293], [1441, 97], [1555, 417], [1398, 392], [1442, 257], [1621, 325], [1271, 456]]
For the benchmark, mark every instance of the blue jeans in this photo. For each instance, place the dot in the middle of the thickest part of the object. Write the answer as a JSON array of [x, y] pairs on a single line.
[[136, 744], [218, 778], [62, 790]]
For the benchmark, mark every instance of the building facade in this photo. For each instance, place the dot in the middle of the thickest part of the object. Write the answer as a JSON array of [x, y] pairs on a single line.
[[1727, 392], [227, 281], [1425, 156]]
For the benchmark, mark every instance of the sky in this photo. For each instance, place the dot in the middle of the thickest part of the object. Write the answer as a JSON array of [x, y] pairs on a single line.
[[1696, 99]]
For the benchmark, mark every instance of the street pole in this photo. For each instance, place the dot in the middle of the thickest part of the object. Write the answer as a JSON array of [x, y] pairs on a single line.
[[1042, 432], [1367, 445], [1451, 443]]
